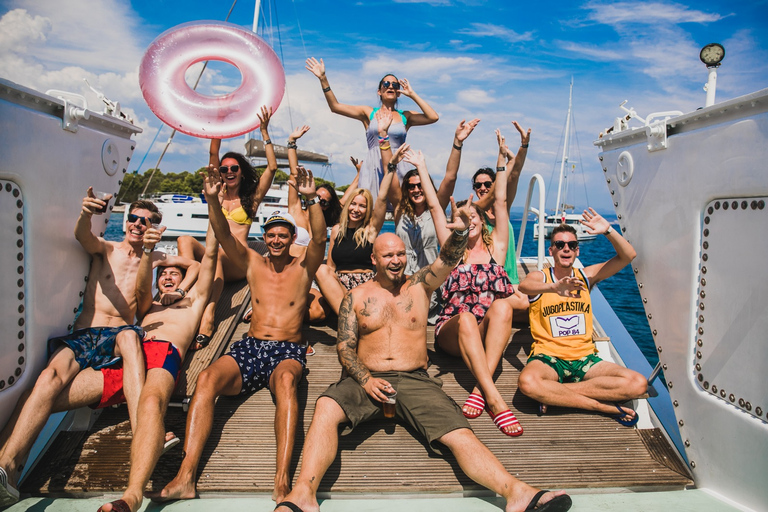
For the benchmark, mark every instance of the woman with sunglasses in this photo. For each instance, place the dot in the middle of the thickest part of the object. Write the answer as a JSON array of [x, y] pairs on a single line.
[[475, 324], [389, 90], [483, 183], [349, 261], [241, 193]]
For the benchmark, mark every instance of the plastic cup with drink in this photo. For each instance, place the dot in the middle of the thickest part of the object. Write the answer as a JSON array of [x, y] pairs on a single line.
[[389, 405], [103, 196]]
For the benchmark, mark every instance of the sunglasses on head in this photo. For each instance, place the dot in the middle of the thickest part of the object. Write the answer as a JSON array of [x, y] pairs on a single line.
[[413, 186], [229, 168], [386, 85], [560, 244], [479, 184], [132, 218]]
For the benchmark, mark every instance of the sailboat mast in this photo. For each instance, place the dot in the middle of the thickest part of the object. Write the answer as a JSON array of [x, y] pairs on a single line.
[[566, 149]]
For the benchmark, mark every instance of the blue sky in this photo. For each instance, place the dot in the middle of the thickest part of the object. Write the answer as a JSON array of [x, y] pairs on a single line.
[[495, 60]]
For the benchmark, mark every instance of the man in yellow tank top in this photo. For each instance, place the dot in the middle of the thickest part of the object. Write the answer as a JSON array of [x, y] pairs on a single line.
[[563, 367]]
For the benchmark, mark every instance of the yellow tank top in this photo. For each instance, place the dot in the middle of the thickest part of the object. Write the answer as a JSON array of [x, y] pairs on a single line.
[[562, 326], [238, 216]]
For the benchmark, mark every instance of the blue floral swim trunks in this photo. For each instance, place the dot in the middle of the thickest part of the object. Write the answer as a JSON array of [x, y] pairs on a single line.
[[257, 360], [94, 347]]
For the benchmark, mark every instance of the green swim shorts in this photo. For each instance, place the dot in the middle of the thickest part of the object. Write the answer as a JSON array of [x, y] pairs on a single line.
[[568, 371]]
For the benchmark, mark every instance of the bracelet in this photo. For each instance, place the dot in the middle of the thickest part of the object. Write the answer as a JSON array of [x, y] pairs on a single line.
[[457, 148], [312, 201], [181, 292], [381, 139], [501, 168], [391, 167], [327, 89], [292, 145], [463, 232], [524, 146], [608, 231], [146, 249], [384, 148], [268, 141]]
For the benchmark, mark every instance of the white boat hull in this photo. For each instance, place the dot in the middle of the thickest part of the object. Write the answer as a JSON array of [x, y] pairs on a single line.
[[701, 272], [43, 266]]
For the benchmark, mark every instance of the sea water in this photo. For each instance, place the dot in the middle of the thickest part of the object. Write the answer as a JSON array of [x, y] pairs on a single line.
[[620, 290]]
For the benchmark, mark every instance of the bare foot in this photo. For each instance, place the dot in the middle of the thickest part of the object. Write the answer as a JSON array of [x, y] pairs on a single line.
[[175, 490]]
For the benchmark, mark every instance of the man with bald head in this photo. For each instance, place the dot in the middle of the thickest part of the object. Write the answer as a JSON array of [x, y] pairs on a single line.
[[382, 345]]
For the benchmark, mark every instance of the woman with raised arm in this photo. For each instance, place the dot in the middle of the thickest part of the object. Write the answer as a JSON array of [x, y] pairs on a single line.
[[241, 193], [473, 324], [389, 91], [349, 261], [484, 183]]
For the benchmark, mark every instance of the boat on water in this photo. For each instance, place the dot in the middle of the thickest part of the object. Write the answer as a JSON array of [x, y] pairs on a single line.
[[561, 214], [701, 443]]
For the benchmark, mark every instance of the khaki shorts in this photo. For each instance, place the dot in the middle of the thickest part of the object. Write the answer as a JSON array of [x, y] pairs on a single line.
[[421, 403]]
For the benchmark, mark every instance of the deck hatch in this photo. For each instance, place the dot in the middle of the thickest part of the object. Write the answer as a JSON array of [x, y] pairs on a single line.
[[13, 283], [729, 348]]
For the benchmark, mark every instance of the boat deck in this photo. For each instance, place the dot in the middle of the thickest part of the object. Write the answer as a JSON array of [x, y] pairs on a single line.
[[562, 449]]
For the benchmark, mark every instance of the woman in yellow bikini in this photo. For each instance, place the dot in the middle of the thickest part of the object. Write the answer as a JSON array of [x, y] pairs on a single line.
[[240, 197]]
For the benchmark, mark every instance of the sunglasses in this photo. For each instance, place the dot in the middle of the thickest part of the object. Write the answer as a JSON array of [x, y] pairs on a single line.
[[132, 218], [413, 186], [387, 84], [480, 184], [230, 168], [560, 244], [323, 202]]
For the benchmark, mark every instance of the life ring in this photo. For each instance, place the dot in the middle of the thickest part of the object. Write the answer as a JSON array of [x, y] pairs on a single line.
[[161, 77]]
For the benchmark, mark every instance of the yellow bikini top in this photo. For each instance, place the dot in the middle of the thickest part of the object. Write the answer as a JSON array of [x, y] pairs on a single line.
[[238, 216]]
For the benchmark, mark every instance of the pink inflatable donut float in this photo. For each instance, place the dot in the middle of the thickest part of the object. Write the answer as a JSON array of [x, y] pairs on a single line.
[[161, 77]]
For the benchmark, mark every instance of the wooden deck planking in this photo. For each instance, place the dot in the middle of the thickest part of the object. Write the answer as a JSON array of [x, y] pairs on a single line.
[[563, 449]]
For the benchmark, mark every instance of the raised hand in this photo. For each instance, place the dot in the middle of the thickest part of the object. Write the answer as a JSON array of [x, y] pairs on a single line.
[[460, 216], [264, 116], [405, 87], [400, 153], [357, 163], [596, 224], [303, 182], [211, 183], [92, 205], [525, 137], [298, 132], [464, 129], [501, 140], [414, 158], [152, 235], [383, 120], [315, 67]]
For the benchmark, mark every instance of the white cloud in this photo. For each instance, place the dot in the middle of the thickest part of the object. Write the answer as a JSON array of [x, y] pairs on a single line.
[[590, 52], [646, 13], [475, 97], [497, 31]]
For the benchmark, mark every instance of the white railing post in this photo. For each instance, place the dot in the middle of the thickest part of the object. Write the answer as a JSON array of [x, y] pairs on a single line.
[[536, 178]]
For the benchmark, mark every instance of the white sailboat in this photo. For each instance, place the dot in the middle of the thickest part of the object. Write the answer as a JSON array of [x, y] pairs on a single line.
[[561, 215]]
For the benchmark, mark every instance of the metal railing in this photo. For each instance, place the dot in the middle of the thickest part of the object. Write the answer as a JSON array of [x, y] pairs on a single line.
[[536, 178]]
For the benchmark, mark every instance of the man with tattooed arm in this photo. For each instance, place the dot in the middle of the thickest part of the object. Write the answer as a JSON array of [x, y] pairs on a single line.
[[382, 345]]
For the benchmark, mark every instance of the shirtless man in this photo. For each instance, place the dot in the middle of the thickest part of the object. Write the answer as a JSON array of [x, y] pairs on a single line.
[[382, 345], [109, 308], [273, 354], [563, 368], [169, 331]]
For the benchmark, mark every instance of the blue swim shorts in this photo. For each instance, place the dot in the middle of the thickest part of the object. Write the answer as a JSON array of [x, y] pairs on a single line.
[[257, 360], [94, 347]]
